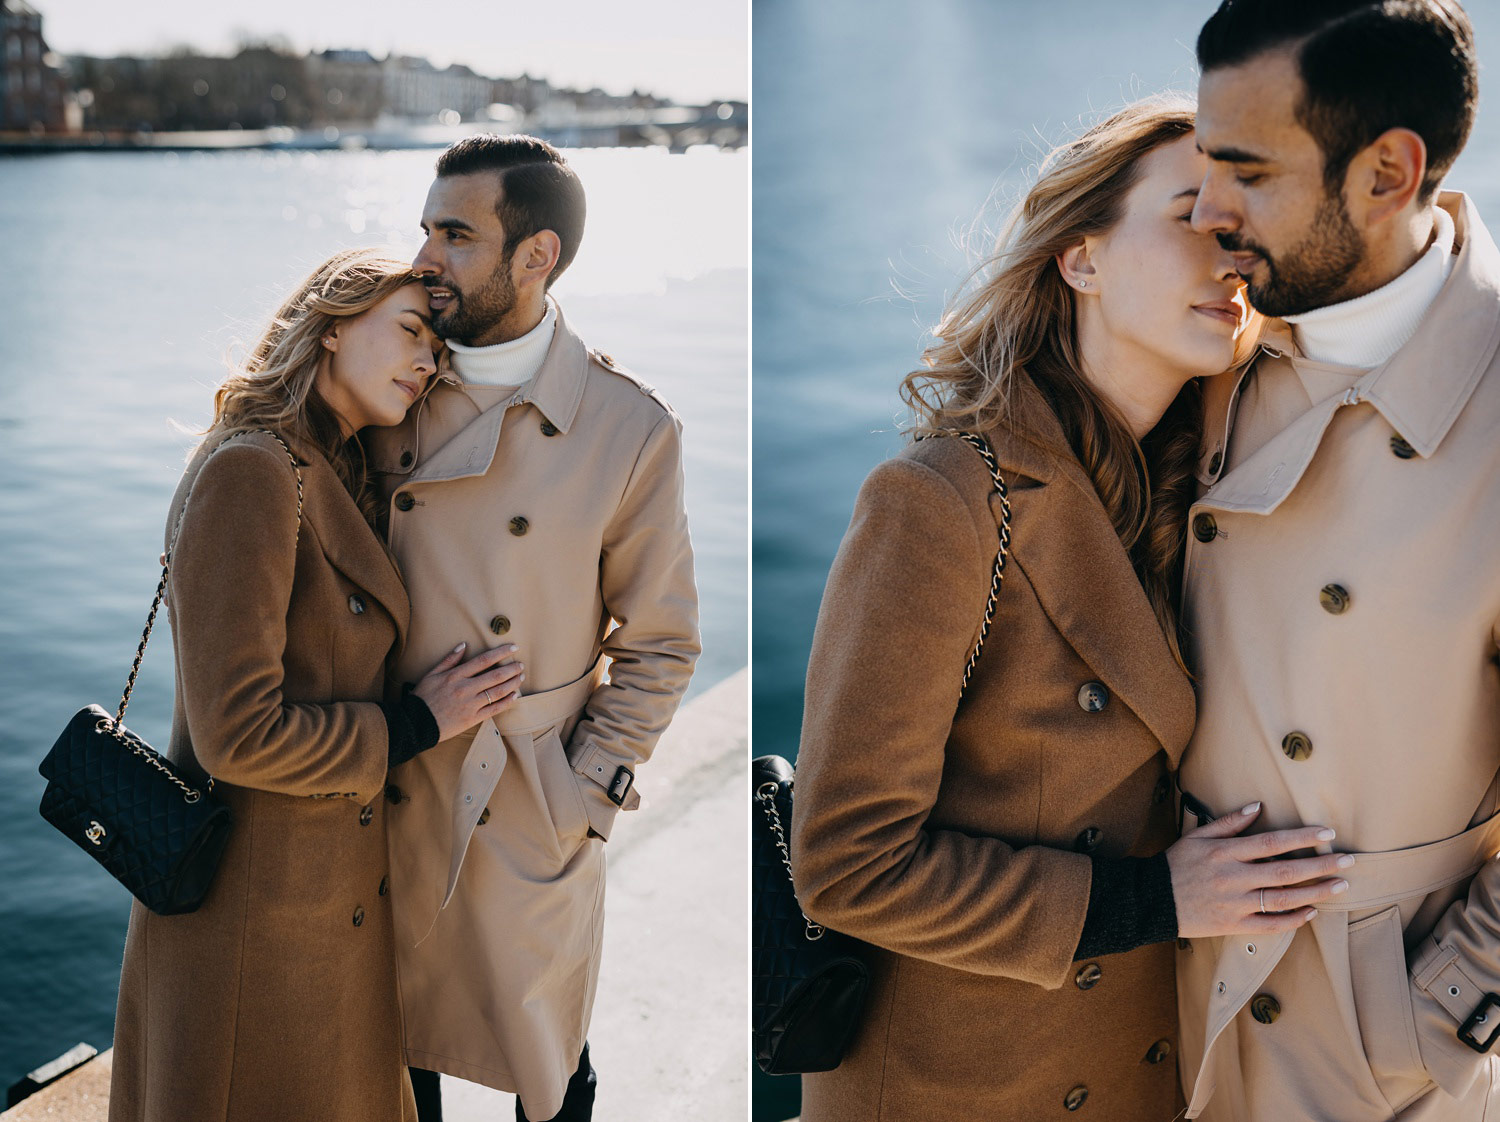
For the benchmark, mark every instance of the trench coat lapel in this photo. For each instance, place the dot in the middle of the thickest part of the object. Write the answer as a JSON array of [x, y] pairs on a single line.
[[1064, 542]]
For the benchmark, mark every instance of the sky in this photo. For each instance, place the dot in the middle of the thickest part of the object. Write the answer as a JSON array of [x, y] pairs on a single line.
[[689, 52]]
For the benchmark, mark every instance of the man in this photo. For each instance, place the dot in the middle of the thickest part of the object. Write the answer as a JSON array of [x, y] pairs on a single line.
[[535, 498], [1343, 569]]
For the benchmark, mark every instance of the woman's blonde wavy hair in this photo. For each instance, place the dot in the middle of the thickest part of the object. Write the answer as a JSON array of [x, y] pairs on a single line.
[[1016, 317], [276, 389]]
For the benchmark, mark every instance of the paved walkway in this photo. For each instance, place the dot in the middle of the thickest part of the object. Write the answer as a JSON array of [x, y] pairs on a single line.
[[670, 1030]]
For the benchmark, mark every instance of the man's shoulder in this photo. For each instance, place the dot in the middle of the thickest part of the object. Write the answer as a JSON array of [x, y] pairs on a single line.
[[620, 389]]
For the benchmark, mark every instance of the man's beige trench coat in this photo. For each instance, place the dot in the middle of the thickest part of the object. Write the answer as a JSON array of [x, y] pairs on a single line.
[[1343, 585], [277, 998], [954, 835], [549, 515]]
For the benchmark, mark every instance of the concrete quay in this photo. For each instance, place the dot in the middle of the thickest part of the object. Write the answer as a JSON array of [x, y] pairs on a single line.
[[670, 1034]]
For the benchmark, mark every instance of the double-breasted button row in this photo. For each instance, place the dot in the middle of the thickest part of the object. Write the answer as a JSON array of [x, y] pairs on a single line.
[[359, 917], [500, 625], [406, 459], [1265, 1008], [484, 816], [1092, 697], [1076, 1097], [519, 525], [1215, 463], [404, 500], [385, 885], [549, 429], [1205, 528], [1334, 598], [357, 604], [366, 815], [1401, 449], [1088, 976], [1159, 1051]]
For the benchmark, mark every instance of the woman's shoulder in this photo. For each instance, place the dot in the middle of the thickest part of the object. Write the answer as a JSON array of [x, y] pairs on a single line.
[[938, 475]]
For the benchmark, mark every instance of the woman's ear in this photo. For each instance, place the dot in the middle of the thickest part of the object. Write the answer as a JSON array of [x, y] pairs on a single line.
[[331, 338], [1077, 267]]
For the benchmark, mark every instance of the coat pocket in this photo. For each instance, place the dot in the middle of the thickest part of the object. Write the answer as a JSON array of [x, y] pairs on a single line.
[[560, 787], [1382, 1001]]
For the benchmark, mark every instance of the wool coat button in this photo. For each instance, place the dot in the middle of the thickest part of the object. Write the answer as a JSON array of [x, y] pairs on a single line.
[[1401, 448], [500, 625], [484, 816], [1264, 1008], [1205, 528], [1159, 1051], [406, 459], [1092, 697], [357, 605], [1162, 790], [1088, 976], [1297, 745], [392, 793], [549, 429], [1215, 463], [1076, 1097], [385, 885], [404, 501], [519, 525], [1088, 840], [359, 916], [366, 815], [1334, 598]]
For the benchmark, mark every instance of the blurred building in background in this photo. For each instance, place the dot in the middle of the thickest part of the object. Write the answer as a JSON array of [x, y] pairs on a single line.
[[34, 93]]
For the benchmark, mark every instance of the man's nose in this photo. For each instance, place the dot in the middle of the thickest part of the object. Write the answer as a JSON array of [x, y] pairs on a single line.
[[1209, 215], [423, 265]]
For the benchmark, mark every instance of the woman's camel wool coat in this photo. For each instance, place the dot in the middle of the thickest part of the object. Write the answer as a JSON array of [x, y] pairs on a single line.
[[953, 836], [275, 1000]]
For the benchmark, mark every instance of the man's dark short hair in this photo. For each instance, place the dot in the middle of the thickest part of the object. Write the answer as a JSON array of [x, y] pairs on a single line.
[[538, 190], [1366, 66]]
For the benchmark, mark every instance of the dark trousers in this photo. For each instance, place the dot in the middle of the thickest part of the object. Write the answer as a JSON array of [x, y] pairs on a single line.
[[578, 1100]]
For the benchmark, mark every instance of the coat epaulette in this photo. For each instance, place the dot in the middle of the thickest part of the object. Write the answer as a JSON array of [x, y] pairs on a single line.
[[608, 362]]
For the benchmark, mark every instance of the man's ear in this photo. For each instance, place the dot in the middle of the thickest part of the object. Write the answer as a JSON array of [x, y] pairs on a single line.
[[1077, 267], [1385, 177], [535, 258]]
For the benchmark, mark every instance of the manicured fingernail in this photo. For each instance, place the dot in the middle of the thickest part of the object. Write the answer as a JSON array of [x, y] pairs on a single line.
[[461, 646], [1326, 834], [1341, 886], [1250, 808], [1345, 860]]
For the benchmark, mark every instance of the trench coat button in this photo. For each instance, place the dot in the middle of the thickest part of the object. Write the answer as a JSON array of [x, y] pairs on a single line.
[[406, 459], [1159, 1051], [392, 793], [1088, 976], [359, 916], [1264, 1008], [404, 501], [1334, 598], [1161, 791], [366, 815], [385, 885], [357, 605], [519, 525], [484, 816], [1402, 449], [500, 625], [1092, 697], [1088, 840], [1296, 745], [1215, 463], [1205, 528], [549, 429], [1076, 1097]]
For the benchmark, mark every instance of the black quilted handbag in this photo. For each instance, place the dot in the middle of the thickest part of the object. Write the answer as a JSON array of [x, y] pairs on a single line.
[[810, 983], [129, 807]]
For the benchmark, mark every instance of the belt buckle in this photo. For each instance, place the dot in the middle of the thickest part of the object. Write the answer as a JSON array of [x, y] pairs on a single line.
[[1479, 1017], [614, 785]]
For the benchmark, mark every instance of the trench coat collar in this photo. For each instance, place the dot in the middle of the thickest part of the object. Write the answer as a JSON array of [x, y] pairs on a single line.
[[556, 390], [1420, 390], [351, 545], [1081, 573]]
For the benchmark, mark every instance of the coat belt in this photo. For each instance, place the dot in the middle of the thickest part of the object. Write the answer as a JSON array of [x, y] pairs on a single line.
[[1377, 879], [535, 711]]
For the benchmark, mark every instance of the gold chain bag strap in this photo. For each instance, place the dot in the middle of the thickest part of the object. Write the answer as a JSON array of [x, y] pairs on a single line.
[[134, 812], [809, 984]]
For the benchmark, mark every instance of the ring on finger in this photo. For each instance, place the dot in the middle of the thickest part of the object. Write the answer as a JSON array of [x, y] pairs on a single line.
[[1262, 901], [490, 701]]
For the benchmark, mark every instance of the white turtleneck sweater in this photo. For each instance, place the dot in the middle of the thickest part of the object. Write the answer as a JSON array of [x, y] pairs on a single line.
[[513, 363], [1369, 329]]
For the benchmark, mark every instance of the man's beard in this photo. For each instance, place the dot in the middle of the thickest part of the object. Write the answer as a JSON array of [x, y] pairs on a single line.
[[472, 314], [1312, 273]]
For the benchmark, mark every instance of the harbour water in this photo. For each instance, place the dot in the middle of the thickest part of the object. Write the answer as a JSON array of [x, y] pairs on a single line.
[[878, 143], [127, 279]]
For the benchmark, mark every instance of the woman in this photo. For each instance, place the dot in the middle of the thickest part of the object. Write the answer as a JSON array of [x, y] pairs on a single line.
[[277, 998], [1002, 852]]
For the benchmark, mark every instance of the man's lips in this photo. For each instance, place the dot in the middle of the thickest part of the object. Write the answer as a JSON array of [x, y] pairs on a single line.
[[439, 297], [1244, 262]]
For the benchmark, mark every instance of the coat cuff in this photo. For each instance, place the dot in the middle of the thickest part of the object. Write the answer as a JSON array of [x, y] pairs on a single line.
[[1443, 997], [606, 775]]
